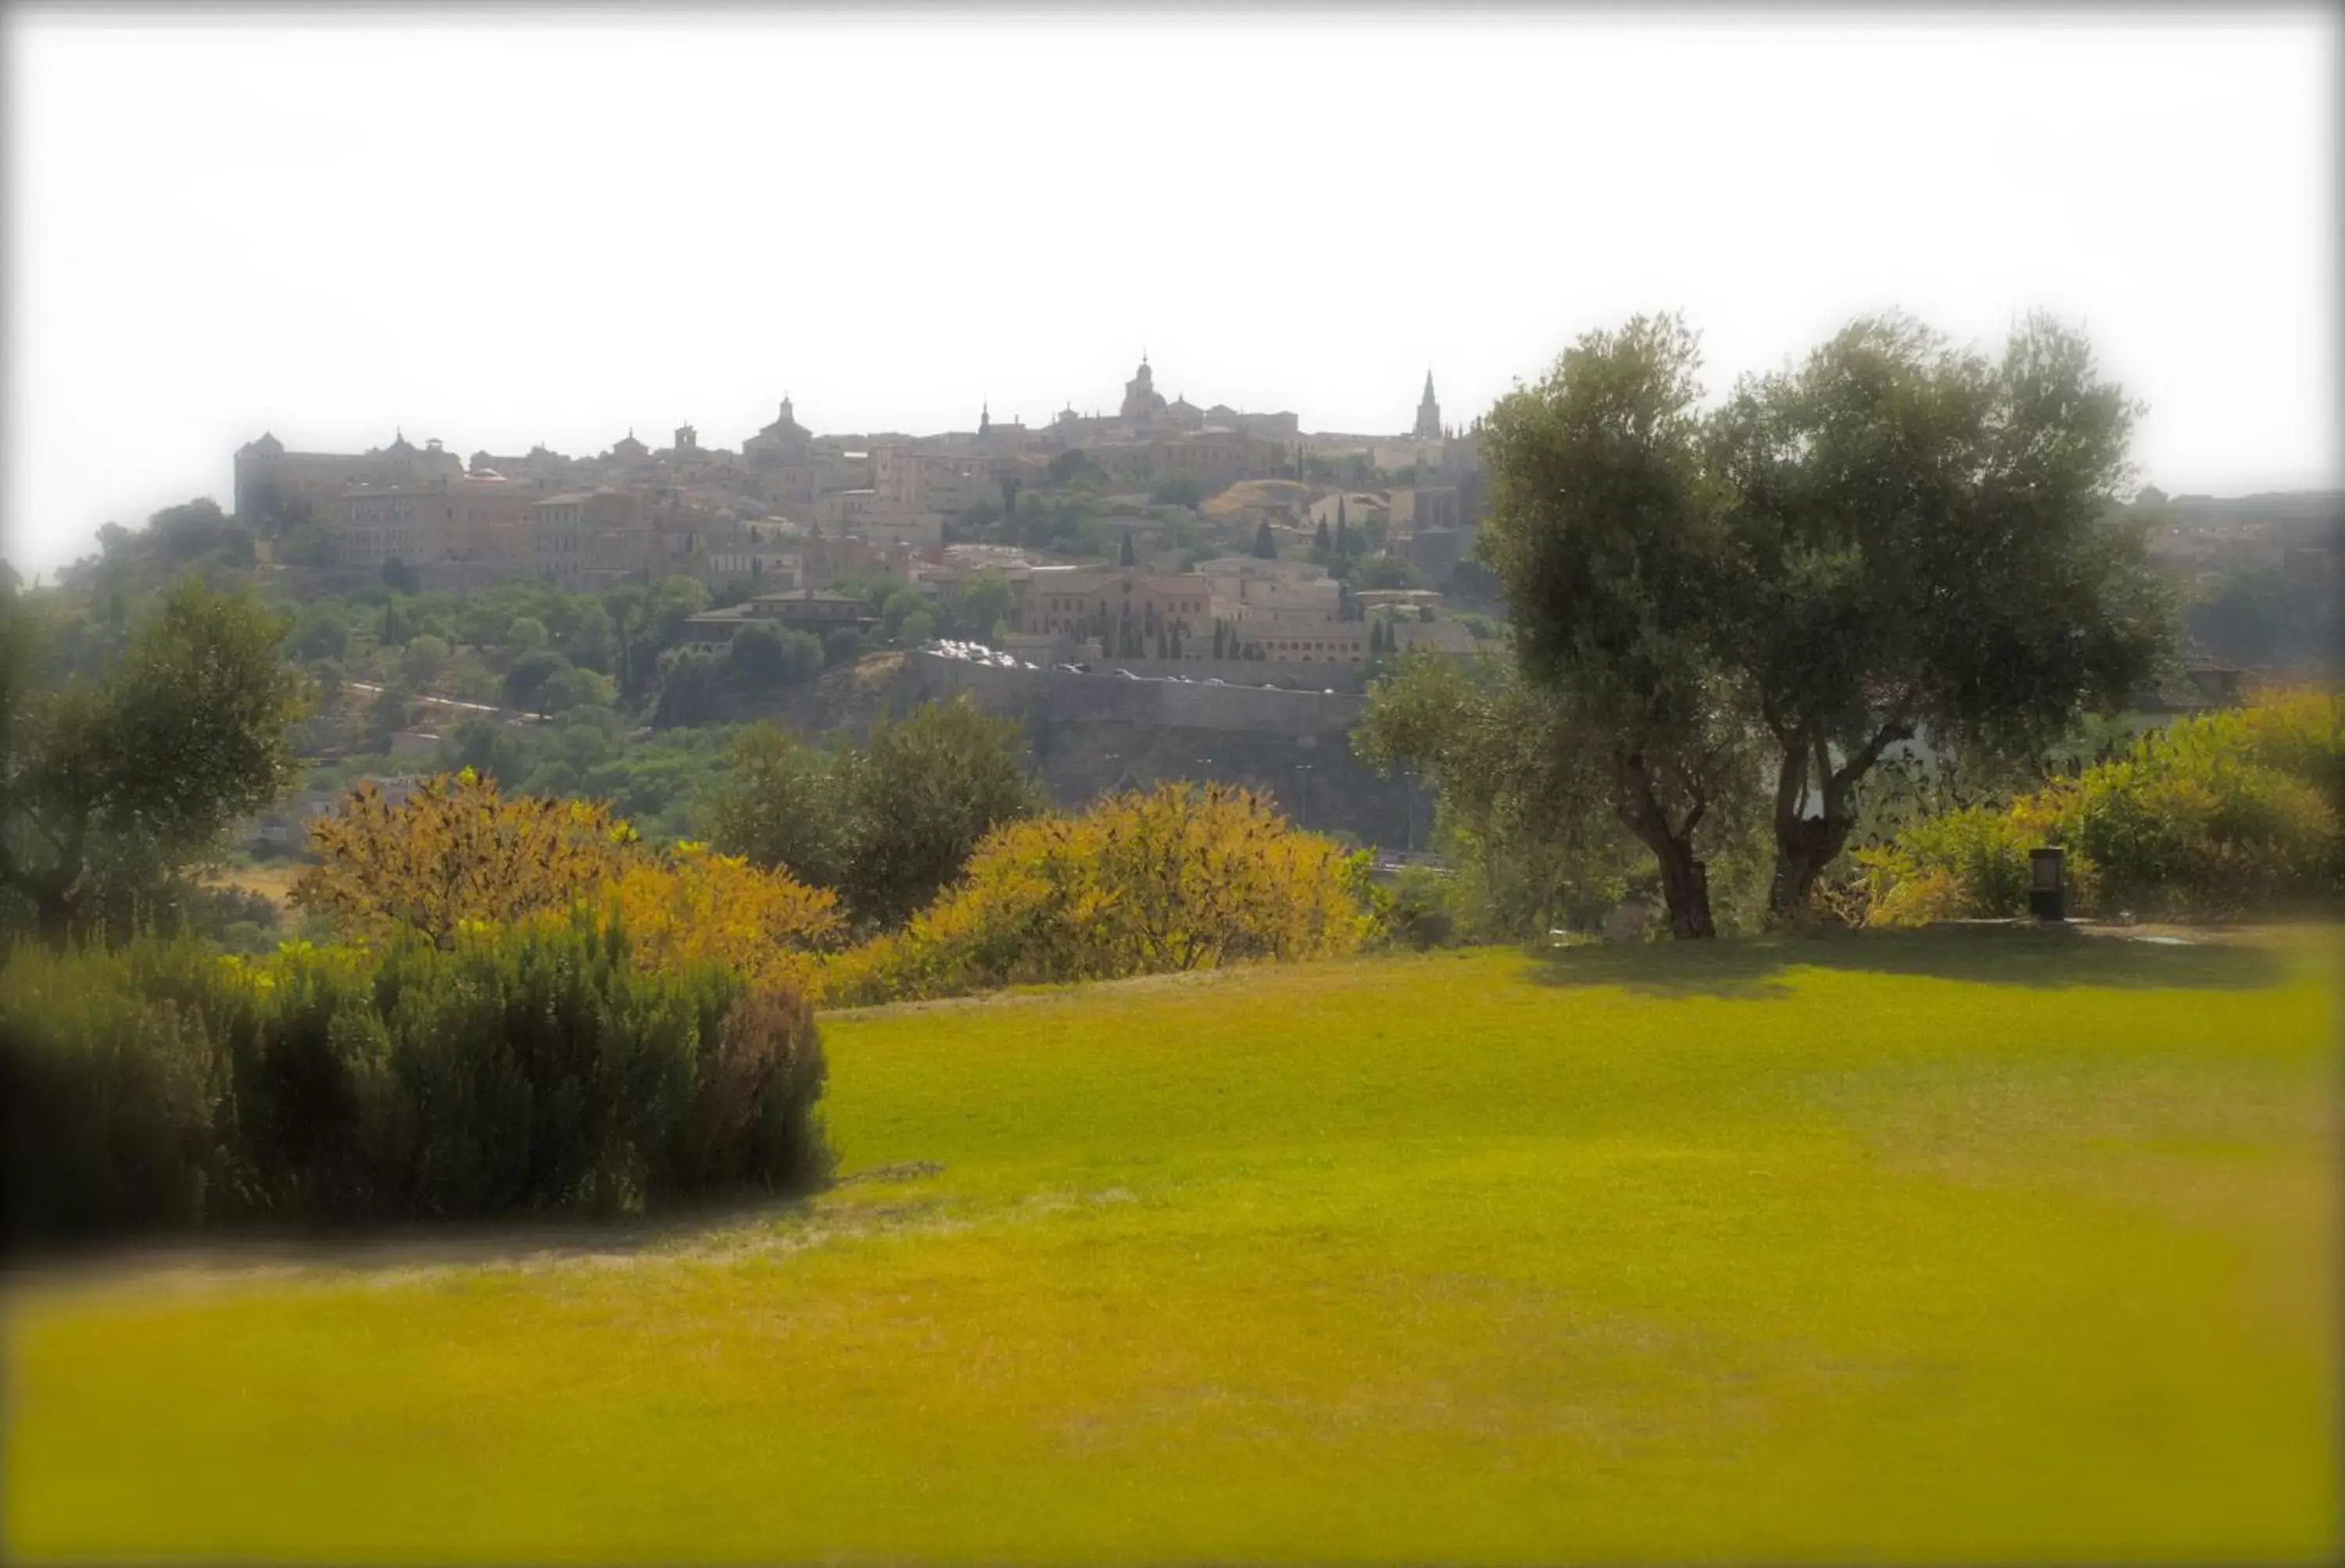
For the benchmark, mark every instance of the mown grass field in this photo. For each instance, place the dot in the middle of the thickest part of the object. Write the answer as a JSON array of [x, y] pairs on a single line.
[[1943, 1248]]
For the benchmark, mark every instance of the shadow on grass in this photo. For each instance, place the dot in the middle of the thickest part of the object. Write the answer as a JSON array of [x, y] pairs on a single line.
[[259, 1248], [1752, 967]]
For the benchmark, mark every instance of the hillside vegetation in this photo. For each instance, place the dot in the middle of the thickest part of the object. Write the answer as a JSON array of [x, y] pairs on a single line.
[[1256, 494], [1895, 1247]]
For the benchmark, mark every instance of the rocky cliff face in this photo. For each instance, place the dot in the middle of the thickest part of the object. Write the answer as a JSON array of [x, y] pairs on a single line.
[[1091, 734]]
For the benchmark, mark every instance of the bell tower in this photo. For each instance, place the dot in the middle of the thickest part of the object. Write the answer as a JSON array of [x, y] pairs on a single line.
[[1142, 401]]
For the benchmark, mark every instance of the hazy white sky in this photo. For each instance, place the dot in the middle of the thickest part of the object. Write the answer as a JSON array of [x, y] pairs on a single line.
[[549, 229]]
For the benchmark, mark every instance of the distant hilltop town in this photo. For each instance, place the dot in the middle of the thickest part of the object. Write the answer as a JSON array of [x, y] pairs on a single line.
[[579, 521], [793, 512]]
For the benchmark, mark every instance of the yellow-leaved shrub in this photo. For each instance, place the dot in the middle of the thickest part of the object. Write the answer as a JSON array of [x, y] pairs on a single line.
[[1181, 878], [457, 857], [691, 905], [456, 852]]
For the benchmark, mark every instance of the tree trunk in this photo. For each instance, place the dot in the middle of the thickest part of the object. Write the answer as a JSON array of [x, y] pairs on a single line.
[[1685, 881], [52, 893], [1803, 850], [1805, 845], [53, 914], [1685, 888]]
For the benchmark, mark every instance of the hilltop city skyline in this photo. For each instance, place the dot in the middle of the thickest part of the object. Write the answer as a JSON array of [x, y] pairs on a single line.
[[1141, 409], [991, 244], [1070, 409]]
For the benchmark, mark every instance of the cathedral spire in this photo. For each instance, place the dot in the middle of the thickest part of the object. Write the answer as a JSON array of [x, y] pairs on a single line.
[[1429, 413]]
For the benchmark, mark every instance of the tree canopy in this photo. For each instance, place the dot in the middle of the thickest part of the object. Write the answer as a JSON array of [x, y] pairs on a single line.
[[1527, 812], [111, 784], [886, 825], [1921, 540], [1607, 534], [1891, 538], [924, 791]]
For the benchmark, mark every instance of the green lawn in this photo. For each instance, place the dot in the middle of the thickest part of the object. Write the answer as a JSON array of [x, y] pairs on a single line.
[[1942, 1249]]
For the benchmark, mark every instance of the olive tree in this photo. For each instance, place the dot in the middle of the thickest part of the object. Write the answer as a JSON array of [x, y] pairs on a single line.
[[1922, 541], [1606, 531]]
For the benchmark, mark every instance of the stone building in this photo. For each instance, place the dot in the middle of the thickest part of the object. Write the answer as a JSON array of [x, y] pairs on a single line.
[[1218, 457], [276, 488], [824, 559], [1127, 613], [769, 553], [592, 539], [782, 441], [380, 525], [1425, 507], [1003, 438], [483, 519], [944, 482], [878, 520], [1282, 428], [1142, 402], [539, 466], [1437, 552]]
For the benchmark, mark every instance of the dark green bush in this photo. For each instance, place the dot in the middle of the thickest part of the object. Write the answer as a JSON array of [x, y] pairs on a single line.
[[1420, 914], [524, 1070], [107, 1085]]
